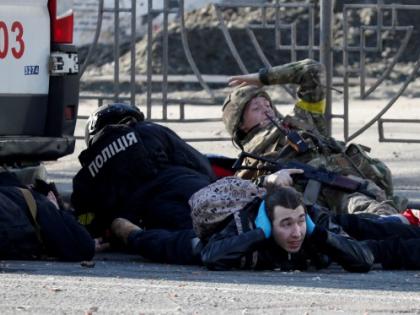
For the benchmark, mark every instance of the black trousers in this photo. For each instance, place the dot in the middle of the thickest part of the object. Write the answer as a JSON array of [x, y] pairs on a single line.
[[166, 216], [172, 247], [165, 205], [394, 245]]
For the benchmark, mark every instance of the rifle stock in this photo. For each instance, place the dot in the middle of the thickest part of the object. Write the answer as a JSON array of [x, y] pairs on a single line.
[[323, 176]]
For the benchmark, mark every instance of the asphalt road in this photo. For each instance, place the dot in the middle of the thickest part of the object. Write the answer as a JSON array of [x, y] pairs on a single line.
[[121, 284]]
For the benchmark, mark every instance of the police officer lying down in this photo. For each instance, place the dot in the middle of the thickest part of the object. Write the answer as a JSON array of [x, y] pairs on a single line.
[[142, 172]]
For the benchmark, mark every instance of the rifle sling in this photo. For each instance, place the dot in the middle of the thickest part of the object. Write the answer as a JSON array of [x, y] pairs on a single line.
[[33, 209]]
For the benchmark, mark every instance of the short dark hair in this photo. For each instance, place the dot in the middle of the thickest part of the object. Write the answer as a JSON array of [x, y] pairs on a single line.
[[286, 197]]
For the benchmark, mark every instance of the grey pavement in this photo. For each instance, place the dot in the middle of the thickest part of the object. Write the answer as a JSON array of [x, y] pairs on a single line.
[[125, 284], [121, 284]]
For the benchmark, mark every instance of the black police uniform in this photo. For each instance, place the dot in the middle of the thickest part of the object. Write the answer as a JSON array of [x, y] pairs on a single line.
[[145, 173]]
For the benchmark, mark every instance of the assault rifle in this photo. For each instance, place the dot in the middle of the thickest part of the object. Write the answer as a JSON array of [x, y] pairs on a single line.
[[312, 177]]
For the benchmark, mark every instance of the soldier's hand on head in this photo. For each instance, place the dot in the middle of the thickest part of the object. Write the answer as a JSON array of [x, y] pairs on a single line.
[[282, 178], [245, 79]]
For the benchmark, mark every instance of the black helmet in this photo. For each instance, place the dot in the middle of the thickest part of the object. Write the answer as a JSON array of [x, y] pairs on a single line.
[[108, 115]]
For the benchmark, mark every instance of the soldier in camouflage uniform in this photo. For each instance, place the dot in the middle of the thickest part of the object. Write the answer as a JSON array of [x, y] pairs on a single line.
[[251, 119]]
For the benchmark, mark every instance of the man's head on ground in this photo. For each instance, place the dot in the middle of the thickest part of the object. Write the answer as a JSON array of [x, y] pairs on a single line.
[[111, 114], [246, 107], [285, 209]]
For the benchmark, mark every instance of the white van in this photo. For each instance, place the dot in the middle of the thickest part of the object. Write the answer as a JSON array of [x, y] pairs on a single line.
[[39, 82]]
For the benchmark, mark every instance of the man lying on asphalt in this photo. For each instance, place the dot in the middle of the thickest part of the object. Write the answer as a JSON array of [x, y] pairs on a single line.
[[34, 224], [278, 231]]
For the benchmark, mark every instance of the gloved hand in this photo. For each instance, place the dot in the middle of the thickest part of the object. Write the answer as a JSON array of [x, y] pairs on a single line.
[[310, 225], [262, 221]]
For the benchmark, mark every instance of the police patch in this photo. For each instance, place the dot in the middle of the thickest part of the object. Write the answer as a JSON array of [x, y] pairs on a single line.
[[116, 146]]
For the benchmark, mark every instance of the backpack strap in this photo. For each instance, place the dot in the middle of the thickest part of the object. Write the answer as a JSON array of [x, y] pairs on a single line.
[[243, 222], [33, 209]]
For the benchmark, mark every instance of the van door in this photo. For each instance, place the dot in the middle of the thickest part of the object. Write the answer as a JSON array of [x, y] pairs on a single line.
[[24, 74]]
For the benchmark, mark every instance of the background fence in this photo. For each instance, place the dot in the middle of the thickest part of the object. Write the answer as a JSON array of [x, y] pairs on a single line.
[[360, 44]]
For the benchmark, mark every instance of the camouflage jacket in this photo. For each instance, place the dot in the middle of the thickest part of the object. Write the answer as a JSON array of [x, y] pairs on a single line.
[[309, 122]]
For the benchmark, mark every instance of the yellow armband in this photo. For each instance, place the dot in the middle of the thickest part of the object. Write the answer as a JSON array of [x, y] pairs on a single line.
[[86, 218], [315, 108]]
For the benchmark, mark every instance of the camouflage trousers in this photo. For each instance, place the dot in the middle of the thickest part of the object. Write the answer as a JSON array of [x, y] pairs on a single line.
[[359, 203], [341, 202]]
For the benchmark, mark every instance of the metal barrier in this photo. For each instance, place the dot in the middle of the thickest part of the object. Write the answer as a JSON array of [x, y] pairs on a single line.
[[116, 10], [380, 7], [177, 8], [325, 50]]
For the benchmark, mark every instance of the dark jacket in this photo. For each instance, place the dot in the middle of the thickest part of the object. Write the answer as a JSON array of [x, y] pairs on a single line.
[[228, 249], [135, 170], [61, 235]]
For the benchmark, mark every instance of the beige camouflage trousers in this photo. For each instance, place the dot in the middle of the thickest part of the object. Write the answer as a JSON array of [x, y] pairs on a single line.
[[358, 203], [341, 202]]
